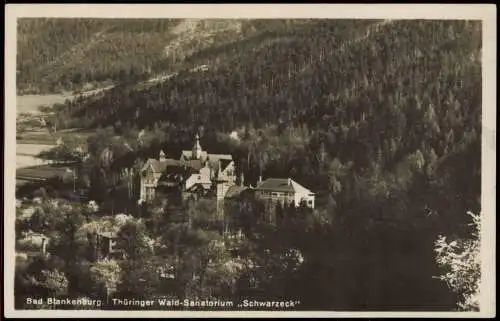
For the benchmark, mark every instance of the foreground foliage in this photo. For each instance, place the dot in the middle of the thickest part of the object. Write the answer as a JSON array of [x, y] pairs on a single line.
[[461, 265]]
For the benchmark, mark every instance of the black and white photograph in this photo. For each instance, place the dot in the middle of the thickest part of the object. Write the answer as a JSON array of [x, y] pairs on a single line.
[[230, 163]]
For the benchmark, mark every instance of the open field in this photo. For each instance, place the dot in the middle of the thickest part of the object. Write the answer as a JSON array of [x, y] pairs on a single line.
[[30, 103], [30, 144], [31, 149], [41, 172], [25, 154], [46, 138], [27, 161]]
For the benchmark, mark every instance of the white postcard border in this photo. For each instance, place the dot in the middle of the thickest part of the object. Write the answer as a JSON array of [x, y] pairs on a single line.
[[484, 12]]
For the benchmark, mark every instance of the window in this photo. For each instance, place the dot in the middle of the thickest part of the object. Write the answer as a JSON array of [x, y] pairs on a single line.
[[149, 178], [149, 193]]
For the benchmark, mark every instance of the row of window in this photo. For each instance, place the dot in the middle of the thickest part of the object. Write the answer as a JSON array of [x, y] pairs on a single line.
[[277, 194], [286, 197]]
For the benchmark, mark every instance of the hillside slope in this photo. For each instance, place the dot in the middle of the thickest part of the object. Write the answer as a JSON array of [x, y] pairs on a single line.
[[57, 54], [359, 91], [328, 75]]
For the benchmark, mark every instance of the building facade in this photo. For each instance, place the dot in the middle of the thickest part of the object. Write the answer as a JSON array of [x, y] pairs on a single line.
[[196, 171], [284, 191]]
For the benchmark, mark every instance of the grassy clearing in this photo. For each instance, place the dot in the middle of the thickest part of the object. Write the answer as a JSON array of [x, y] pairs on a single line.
[[31, 149], [30, 103], [25, 154], [42, 171], [30, 144], [46, 138]]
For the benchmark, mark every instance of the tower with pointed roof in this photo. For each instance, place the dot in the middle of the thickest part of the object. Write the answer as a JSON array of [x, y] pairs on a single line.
[[163, 157], [196, 148]]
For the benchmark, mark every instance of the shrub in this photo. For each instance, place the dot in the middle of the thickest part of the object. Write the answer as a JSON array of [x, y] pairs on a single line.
[[460, 264]]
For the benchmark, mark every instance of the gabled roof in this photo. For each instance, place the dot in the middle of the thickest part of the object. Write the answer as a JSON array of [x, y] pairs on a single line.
[[281, 185], [161, 166], [220, 156], [198, 187], [181, 171], [189, 153], [276, 184], [299, 188], [235, 191], [195, 164], [214, 160], [224, 163]]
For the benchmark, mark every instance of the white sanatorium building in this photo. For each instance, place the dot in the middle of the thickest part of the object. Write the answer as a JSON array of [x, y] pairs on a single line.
[[197, 171]]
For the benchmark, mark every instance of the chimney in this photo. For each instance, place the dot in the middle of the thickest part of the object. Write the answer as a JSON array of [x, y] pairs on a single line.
[[289, 181], [260, 179], [44, 245]]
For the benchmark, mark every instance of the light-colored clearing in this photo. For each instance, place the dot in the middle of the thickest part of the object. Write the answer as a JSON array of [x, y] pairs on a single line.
[[25, 154], [28, 161], [30, 103], [32, 149]]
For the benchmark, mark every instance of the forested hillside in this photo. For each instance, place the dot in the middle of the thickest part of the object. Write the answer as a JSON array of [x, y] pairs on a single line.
[[357, 91], [382, 119], [57, 54]]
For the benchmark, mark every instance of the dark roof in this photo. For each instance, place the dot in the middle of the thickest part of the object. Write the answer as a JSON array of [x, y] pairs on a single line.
[[198, 187], [176, 174], [167, 183], [276, 184], [282, 185], [224, 163], [195, 164], [235, 191], [214, 160], [188, 154], [160, 166], [172, 177]]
